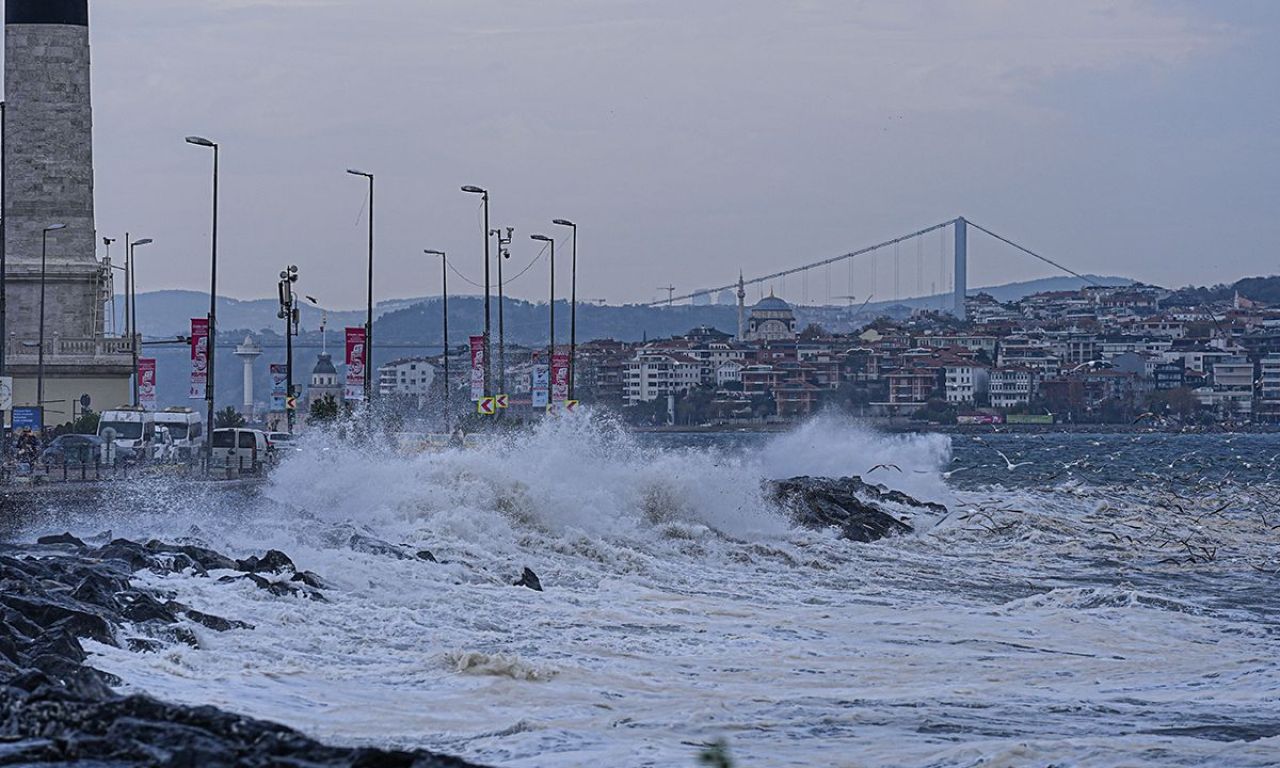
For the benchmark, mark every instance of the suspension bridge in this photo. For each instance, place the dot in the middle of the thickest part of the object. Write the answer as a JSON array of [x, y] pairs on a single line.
[[952, 275]]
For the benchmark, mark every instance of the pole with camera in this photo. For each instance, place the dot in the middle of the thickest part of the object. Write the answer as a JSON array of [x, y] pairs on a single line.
[[289, 313]]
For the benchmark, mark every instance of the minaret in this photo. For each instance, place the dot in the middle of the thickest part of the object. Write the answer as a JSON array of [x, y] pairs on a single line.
[[742, 308], [248, 352], [48, 179]]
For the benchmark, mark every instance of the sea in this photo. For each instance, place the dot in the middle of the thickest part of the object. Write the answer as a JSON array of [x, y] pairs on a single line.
[[1087, 600]]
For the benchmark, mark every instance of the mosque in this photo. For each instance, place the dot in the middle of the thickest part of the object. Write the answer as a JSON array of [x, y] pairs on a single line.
[[771, 319]]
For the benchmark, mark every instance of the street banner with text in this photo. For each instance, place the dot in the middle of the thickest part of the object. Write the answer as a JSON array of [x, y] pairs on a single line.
[[279, 381], [541, 386], [147, 383], [199, 358], [477, 368], [559, 377], [357, 359]]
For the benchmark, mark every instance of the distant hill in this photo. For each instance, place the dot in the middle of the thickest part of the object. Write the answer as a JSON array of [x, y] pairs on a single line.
[[1262, 289], [168, 313]]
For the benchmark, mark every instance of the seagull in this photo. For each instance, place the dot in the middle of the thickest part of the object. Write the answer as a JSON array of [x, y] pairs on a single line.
[[1009, 464], [947, 475], [884, 466]]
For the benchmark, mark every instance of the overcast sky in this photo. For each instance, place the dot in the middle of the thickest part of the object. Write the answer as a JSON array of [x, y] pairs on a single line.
[[689, 138]]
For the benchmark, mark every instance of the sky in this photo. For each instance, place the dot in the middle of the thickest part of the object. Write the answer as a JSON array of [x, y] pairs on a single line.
[[689, 140]]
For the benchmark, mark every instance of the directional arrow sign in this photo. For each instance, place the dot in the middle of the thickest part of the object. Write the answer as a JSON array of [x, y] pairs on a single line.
[[571, 405], [504, 401], [487, 406], [291, 403]]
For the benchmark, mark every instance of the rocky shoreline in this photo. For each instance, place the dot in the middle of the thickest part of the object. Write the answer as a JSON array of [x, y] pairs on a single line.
[[55, 709]]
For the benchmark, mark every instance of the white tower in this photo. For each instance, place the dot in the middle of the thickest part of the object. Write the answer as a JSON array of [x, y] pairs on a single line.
[[248, 352]]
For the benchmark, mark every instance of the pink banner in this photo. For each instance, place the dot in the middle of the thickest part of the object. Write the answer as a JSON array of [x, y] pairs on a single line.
[[199, 358], [477, 368], [147, 383], [559, 378], [357, 359]]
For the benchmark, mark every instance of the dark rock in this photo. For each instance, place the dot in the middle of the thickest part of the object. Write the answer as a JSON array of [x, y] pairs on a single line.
[[371, 546], [216, 623], [848, 504], [310, 579], [141, 607], [100, 589], [529, 579], [272, 562], [426, 555], [143, 645], [60, 539]]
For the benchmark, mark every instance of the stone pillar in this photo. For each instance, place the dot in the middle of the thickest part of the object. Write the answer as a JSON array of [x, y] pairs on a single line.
[[248, 352]]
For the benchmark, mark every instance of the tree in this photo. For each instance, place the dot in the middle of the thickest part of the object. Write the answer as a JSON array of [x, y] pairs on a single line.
[[228, 418], [325, 410]]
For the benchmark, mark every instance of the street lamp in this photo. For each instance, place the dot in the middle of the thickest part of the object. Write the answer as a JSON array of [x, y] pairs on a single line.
[[503, 254], [131, 290], [484, 193], [368, 323], [289, 312], [573, 307], [212, 341], [551, 355], [44, 250], [444, 297]]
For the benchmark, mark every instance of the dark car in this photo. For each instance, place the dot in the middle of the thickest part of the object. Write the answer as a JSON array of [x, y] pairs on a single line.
[[73, 449]]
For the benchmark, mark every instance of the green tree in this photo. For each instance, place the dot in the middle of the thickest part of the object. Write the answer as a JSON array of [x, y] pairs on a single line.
[[325, 410], [228, 418]]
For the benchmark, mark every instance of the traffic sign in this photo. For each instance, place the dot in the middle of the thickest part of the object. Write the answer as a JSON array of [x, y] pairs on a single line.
[[487, 406], [571, 405], [291, 403], [504, 401]]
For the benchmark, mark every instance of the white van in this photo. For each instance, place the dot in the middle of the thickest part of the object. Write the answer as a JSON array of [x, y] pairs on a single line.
[[131, 428], [245, 450], [186, 427]]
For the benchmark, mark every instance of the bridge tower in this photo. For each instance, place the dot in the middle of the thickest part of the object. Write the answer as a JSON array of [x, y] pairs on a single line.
[[962, 267]]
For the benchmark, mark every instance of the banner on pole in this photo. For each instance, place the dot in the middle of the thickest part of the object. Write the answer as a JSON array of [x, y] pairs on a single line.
[[199, 358], [559, 378], [279, 379], [6, 394], [357, 359], [541, 386], [147, 383], [477, 368]]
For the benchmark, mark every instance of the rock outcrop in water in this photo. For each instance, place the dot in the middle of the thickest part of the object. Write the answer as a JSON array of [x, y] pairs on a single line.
[[861, 511], [56, 709]]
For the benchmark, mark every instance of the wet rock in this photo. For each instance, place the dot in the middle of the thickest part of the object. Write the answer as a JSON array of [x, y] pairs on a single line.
[[141, 607], [310, 579], [529, 579], [62, 539], [216, 623], [426, 555], [273, 561], [143, 645], [371, 546], [855, 508]]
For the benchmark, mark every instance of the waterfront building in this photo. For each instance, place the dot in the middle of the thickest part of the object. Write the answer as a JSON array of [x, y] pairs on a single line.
[[408, 377], [772, 319]]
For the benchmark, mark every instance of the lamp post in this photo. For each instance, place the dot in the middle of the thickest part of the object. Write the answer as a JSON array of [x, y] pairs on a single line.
[[44, 251], [551, 355], [289, 312], [211, 342], [488, 329], [503, 254], [368, 322], [573, 307], [444, 298], [131, 296], [4, 258]]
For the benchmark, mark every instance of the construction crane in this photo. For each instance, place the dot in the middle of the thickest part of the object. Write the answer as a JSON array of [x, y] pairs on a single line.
[[671, 292]]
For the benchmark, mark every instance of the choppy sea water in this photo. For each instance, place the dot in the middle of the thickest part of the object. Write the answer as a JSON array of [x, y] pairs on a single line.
[[1112, 601]]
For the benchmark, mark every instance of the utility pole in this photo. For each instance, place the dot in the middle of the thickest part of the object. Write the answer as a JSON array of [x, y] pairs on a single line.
[[289, 313], [503, 254]]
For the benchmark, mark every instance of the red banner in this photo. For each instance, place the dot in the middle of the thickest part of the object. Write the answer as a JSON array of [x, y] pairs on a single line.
[[559, 378], [477, 368], [199, 358], [147, 383], [357, 359]]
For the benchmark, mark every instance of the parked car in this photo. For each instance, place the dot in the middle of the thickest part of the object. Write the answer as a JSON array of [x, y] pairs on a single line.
[[73, 449]]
